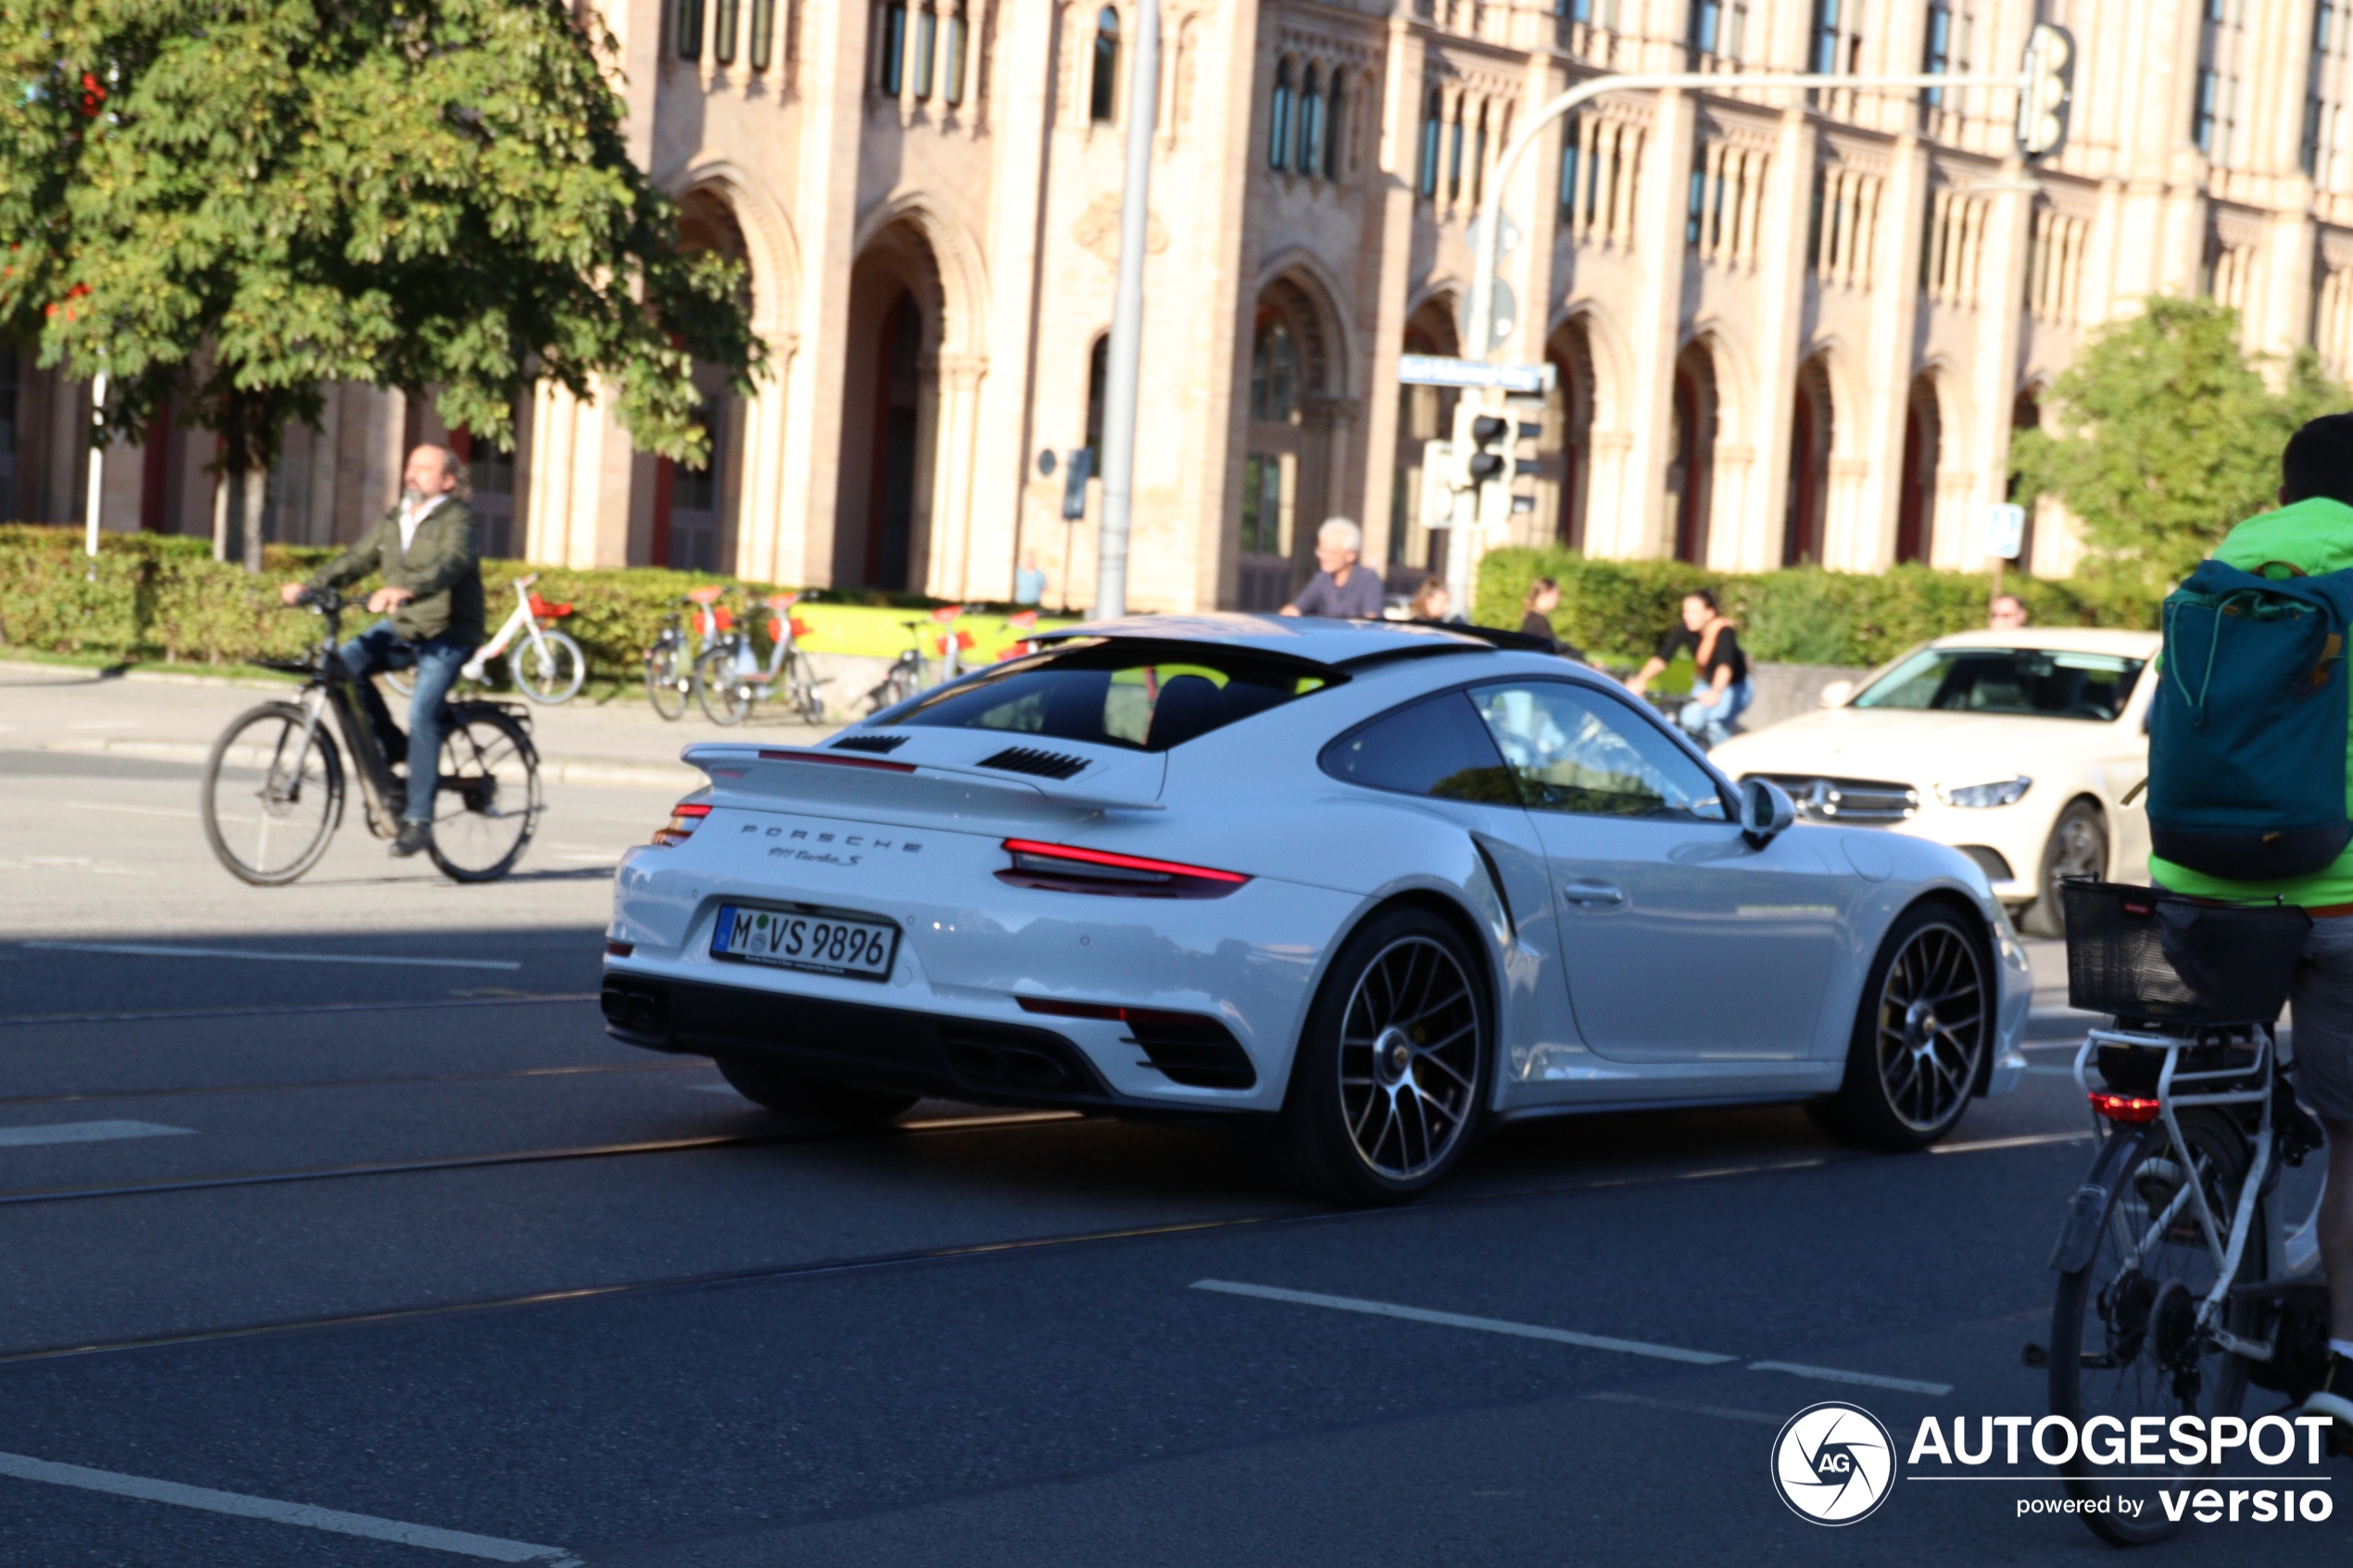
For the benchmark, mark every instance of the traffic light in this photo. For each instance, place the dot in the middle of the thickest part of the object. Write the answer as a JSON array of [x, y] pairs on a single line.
[[2048, 90]]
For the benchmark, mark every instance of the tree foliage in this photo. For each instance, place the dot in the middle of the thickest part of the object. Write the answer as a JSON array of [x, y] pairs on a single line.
[[234, 202], [2161, 435]]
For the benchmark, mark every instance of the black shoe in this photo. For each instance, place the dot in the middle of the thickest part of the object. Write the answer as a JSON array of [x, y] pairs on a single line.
[[414, 837], [2334, 1397]]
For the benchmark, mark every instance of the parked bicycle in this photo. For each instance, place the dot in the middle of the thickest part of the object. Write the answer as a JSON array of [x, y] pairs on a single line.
[[732, 681], [547, 667], [2181, 1282], [906, 675], [273, 787], [672, 662]]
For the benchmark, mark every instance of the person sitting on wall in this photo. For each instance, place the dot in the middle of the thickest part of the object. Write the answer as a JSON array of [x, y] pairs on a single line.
[[1721, 691]]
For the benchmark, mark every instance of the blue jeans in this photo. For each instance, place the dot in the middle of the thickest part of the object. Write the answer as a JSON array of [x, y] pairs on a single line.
[[1711, 724], [436, 662]]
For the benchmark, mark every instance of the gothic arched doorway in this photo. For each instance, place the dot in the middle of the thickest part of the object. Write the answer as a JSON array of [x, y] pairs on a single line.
[[882, 513], [1810, 435], [1691, 462], [1916, 498]]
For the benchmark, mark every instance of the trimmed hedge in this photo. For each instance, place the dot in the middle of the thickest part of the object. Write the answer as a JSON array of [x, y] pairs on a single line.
[[1616, 610], [150, 597]]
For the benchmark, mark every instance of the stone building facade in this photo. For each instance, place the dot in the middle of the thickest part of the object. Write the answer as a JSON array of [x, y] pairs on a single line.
[[1787, 326]]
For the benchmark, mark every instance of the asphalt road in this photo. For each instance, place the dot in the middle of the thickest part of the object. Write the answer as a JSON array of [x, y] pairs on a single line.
[[314, 1259]]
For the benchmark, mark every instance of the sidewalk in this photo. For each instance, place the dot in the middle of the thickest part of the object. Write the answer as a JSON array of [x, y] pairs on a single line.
[[169, 718]]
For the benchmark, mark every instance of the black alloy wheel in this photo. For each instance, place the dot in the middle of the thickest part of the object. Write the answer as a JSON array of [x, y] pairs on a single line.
[[1921, 1033], [1389, 1083], [2078, 847]]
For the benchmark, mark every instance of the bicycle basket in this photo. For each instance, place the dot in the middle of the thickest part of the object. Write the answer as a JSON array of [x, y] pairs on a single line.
[[2137, 952]]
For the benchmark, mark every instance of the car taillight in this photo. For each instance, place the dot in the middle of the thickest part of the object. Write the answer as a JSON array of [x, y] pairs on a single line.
[[685, 818], [1066, 868], [2123, 1108]]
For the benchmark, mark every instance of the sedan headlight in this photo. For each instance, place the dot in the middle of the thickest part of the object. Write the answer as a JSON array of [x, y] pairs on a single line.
[[2007, 792]]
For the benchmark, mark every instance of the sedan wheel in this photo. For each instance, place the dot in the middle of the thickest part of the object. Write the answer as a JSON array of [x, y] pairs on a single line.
[[2078, 847], [1386, 1088], [1920, 1036]]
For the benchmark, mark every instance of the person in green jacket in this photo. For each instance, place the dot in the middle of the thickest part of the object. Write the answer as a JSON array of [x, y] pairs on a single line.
[[424, 550], [2312, 531]]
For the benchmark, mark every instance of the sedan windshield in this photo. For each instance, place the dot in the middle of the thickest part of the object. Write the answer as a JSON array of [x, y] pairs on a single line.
[[1143, 696], [2040, 682]]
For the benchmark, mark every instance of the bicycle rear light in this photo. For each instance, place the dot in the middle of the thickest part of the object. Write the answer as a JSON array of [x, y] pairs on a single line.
[[685, 818], [2123, 1108], [1068, 869]]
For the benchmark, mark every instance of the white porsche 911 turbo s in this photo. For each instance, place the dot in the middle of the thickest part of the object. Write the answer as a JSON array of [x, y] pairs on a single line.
[[1365, 888]]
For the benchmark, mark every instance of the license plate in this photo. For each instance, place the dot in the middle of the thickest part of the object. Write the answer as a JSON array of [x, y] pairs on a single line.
[[824, 944]]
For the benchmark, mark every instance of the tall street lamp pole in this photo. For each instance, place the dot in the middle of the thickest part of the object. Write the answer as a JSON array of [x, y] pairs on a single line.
[[1124, 359]]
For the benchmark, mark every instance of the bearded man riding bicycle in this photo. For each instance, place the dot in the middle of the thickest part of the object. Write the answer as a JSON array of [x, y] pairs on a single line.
[[424, 549]]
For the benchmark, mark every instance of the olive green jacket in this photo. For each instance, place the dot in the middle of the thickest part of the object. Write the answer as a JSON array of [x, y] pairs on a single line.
[[440, 567]]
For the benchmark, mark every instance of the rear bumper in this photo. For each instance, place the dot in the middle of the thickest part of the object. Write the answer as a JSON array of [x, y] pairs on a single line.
[[901, 1049]]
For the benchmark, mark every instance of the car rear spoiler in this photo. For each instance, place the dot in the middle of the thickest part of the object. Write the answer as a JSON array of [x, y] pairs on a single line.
[[822, 777]]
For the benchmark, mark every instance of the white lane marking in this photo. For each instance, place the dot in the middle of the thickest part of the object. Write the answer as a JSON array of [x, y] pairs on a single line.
[[432, 1539], [1562, 1335], [2026, 1140], [84, 1132], [1726, 1412], [1457, 1320], [144, 950], [1868, 1380]]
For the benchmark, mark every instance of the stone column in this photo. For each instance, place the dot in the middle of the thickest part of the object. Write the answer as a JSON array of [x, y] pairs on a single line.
[[2001, 284], [1887, 369], [766, 542], [1636, 526], [1400, 150], [949, 569], [1780, 290]]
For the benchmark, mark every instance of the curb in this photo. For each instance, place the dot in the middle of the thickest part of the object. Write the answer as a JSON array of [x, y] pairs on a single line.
[[96, 675], [552, 770]]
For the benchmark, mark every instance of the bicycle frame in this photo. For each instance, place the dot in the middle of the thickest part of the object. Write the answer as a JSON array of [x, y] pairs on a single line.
[[2295, 1255], [333, 688], [477, 667]]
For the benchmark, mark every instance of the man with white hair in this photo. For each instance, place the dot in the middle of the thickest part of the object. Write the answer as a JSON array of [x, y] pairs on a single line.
[[1344, 589]]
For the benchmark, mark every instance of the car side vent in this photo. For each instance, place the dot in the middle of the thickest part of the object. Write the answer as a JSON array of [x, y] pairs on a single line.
[[1040, 764], [870, 742]]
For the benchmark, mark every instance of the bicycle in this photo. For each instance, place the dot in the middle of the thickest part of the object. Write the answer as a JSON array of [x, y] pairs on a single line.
[[550, 666], [671, 663], [905, 676], [2180, 1283], [273, 787], [731, 679]]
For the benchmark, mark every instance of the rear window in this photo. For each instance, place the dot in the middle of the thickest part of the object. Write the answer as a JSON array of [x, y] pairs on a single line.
[[2045, 682], [1143, 696]]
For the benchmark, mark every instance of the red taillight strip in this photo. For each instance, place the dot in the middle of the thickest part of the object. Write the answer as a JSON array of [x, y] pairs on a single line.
[[691, 808], [1122, 862], [835, 759], [2124, 1108]]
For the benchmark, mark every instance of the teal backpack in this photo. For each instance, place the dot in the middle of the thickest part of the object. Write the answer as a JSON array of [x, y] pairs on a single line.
[[2247, 729]]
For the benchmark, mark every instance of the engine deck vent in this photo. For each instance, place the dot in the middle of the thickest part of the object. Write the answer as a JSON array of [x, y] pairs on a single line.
[[1038, 764], [878, 744]]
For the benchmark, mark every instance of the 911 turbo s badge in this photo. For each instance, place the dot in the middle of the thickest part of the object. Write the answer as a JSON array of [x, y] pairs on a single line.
[[808, 836]]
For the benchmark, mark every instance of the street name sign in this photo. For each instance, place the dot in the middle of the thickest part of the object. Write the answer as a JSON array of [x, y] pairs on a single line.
[[1431, 370]]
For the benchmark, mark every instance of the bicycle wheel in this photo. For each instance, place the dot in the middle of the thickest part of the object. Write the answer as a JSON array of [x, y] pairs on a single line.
[[725, 696], [488, 805], [549, 670], [2125, 1336], [271, 798], [668, 680], [807, 700]]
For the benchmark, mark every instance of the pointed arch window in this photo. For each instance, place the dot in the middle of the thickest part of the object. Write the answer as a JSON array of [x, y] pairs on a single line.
[[952, 87], [764, 33], [1278, 118], [1332, 130], [687, 39], [1274, 371], [892, 74], [1311, 122], [1478, 159], [1433, 127], [927, 47], [726, 15], [1103, 101], [1454, 153]]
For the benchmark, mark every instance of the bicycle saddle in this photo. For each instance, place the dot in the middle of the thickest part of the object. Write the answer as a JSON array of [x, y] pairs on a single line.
[[783, 601], [706, 595]]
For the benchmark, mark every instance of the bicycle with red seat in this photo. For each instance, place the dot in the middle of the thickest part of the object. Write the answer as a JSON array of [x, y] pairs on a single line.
[[732, 681], [2182, 1282], [547, 667], [696, 622]]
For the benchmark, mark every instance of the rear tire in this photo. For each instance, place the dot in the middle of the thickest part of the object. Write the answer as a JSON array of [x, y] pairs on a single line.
[[2078, 847], [487, 806], [1389, 1083], [1921, 1031], [810, 1099], [550, 671], [668, 680], [725, 696]]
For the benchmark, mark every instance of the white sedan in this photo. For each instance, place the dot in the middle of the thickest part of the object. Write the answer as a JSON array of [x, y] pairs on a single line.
[[1366, 888], [2021, 748]]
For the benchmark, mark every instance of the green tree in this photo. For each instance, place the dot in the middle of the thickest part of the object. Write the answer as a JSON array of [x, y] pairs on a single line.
[[2163, 436], [231, 202]]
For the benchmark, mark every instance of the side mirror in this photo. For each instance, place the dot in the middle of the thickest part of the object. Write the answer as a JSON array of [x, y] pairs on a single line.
[[1766, 811], [1836, 692]]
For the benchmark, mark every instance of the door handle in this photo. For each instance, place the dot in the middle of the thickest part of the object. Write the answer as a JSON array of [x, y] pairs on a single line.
[[1591, 893]]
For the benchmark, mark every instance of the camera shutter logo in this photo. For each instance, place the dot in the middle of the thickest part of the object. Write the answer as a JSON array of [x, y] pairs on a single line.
[[1833, 1463]]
